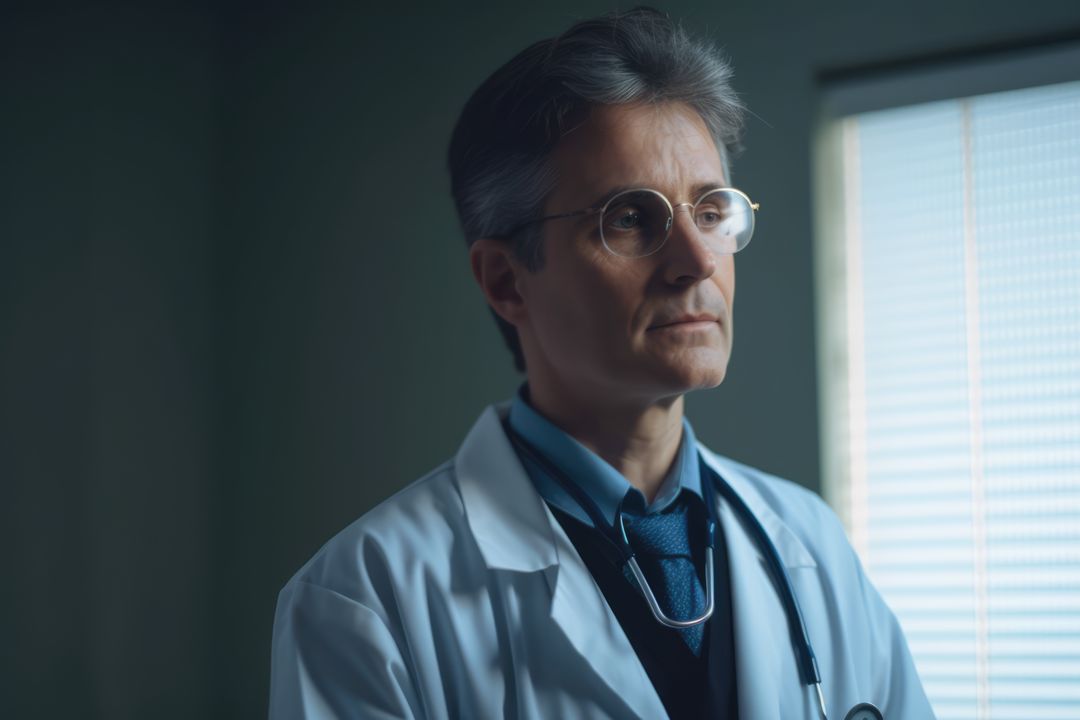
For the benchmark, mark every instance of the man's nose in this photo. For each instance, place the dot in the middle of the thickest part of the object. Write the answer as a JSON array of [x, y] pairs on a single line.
[[689, 258]]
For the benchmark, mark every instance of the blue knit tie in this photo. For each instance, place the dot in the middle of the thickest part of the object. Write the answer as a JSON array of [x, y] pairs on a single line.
[[661, 543]]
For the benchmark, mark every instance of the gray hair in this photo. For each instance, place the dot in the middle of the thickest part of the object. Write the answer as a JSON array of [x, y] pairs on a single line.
[[499, 159]]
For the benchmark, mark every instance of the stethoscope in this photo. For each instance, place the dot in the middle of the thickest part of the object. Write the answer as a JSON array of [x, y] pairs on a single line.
[[804, 652]]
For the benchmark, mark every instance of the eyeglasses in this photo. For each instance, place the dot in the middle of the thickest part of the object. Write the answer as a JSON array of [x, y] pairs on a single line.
[[635, 223]]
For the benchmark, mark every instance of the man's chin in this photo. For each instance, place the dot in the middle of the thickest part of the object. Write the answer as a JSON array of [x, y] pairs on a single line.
[[706, 381], [680, 378]]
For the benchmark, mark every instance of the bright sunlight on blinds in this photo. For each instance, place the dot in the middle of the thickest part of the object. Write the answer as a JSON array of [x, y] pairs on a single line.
[[961, 392]]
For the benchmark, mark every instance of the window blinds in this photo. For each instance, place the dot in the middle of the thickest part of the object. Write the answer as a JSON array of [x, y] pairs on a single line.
[[962, 326]]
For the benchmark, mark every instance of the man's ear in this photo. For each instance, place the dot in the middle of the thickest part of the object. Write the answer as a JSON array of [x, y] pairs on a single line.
[[497, 271]]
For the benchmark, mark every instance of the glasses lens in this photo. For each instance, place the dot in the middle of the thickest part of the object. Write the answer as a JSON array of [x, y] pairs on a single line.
[[725, 220], [635, 223]]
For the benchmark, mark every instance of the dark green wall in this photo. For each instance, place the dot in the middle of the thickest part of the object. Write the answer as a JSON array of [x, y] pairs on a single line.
[[107, 166], [235, 310]]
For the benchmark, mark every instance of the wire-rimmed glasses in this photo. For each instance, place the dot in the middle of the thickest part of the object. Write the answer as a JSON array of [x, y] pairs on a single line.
[[637, 222]]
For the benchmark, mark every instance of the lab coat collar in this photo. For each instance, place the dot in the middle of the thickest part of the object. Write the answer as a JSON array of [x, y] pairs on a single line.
[[505, 513], [792, 552], [512, 526]]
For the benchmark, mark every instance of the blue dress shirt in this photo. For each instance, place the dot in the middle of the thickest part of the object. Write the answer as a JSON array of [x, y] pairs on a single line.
[[604, 484]]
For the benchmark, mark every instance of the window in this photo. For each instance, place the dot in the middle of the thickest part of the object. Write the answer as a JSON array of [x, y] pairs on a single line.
[[948, 272]]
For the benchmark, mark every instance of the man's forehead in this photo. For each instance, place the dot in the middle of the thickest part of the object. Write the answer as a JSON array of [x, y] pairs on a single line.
[[664, 146]]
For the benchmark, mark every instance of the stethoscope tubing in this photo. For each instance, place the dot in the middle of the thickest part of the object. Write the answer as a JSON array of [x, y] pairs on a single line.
[[654, 605]]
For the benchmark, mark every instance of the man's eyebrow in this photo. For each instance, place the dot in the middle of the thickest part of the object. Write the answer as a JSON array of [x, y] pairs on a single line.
[[703, 188], [600, 201], [695, 193]]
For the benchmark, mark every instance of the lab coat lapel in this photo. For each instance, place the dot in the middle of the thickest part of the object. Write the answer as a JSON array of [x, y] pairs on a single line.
[[505, 513], [515, 531], [579, 608], [766, 672]]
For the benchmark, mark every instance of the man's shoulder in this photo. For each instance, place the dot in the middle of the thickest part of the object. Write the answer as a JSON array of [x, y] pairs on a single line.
[[801, 509], [781, 494], [416, 526]]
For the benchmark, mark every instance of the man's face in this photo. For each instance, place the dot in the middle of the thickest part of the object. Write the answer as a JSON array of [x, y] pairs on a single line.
[[616, 325]]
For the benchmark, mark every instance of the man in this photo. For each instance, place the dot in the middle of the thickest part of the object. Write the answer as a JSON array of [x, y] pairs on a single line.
[[582, 555]]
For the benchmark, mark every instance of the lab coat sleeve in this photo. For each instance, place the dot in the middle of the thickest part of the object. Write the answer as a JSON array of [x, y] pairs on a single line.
[[334, 658]]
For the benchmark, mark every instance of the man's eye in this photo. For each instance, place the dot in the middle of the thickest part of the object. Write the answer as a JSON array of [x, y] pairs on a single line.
[[627, 220], [708, 218]]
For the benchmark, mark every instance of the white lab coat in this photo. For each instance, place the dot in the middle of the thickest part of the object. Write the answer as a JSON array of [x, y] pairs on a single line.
[[462, 597]]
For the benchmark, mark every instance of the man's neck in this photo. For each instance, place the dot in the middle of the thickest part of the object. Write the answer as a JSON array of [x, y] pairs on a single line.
[[640, 440]]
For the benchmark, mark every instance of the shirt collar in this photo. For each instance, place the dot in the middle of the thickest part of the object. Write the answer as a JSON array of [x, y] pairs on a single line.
[[603, 483]]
